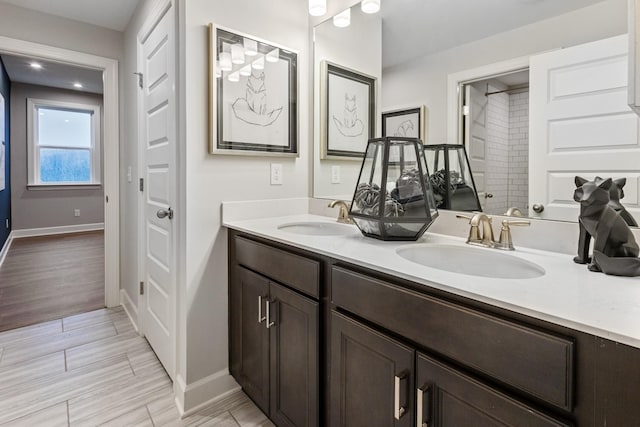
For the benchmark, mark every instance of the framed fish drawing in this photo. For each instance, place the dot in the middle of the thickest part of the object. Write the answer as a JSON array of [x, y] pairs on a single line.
[[253, 96]]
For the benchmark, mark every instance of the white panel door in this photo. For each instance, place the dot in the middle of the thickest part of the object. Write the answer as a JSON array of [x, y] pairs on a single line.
[[475, 137], [157, 121], [580, 124]]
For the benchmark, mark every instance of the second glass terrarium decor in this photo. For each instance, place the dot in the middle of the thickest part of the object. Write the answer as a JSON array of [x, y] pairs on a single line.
[[393, 199]]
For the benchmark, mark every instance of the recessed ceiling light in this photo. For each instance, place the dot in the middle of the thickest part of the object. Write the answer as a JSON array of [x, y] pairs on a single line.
[[35, 65], [78, 85]]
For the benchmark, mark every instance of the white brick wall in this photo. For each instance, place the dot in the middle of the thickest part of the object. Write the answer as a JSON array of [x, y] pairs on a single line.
[[497, 152], [518, 171]]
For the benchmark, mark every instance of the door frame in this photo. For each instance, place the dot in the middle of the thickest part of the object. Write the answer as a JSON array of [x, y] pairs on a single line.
[[110, 144], [455, 81]]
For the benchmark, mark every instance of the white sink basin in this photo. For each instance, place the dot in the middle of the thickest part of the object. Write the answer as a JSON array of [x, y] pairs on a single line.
[[483, 262], [318, 228]]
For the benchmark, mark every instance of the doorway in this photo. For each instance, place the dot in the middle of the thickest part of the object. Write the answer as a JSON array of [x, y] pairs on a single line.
[[495, 131], [110, 159]]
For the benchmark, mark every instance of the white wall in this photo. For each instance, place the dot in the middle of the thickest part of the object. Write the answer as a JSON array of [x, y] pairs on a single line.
[[358, 47], [519, 150], [424, 80], [25, 24], [497, 149], [47, 208], [210, 179]]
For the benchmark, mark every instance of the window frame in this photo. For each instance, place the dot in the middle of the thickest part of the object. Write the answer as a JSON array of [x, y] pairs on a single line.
[[33, 148]]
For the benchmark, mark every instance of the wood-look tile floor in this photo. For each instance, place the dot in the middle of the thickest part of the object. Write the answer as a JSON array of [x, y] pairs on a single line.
[[49, 277], [93, 369]]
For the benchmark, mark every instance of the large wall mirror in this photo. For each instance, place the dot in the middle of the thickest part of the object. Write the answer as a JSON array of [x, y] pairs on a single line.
[[534, 89]]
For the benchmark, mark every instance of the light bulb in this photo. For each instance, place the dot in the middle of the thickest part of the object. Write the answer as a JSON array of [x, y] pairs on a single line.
[[370, 6], [35, 65], [250, 47], [225, 61], [237, 54], [343, 19], [317, 7], [234, 77], [273, 56]]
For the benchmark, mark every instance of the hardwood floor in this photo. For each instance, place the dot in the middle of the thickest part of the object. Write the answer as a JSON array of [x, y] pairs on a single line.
[[94, 369], [49, 277]]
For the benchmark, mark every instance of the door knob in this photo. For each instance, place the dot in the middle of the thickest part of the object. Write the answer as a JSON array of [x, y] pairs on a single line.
[[163, 213], [538, 208]]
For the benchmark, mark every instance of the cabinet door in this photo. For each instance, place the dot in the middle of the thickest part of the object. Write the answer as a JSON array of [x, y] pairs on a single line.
[[294, 358], [448, 398], [371, 377], [249, 294]]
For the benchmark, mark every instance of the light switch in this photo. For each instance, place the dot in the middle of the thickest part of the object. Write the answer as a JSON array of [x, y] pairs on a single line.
[[335, 174], [276, 174]]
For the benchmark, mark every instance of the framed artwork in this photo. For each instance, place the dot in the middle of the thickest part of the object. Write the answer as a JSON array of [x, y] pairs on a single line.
[[410, 123], [253, 96], [347, 112]]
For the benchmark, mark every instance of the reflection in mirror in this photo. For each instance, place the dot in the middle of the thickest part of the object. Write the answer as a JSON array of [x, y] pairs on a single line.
[[423, 46]]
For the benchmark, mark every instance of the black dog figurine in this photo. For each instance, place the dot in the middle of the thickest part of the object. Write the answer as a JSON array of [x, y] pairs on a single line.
[[615, 249]]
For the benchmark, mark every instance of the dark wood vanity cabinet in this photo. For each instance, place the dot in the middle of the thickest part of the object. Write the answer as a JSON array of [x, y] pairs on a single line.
[[349, 346], [274, 344]]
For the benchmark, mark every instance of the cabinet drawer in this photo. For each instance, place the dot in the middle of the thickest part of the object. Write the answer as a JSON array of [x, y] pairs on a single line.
[[293, 270], [533, 361]]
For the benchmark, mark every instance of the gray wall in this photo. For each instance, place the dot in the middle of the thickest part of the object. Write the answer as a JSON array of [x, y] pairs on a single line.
[[46, 208]]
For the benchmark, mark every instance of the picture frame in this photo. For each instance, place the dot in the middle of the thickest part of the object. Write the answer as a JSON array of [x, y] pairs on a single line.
[[347, 112], [253, 95], [406, 122]]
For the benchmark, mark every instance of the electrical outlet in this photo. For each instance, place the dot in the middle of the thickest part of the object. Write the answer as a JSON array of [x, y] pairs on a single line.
[[76, 212], [335, 174], [276, 174]]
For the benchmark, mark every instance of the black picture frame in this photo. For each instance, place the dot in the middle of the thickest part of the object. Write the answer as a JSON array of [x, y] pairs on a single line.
[[258, 113], [407, 122], [342, 123]]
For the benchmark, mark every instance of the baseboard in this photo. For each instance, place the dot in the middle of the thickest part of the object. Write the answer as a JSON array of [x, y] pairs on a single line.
[[190, 398], [5, 247], [46, 231], [130, 308]]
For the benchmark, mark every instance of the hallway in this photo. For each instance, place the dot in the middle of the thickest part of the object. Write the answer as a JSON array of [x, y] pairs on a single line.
[[49, 277], [94, 369]]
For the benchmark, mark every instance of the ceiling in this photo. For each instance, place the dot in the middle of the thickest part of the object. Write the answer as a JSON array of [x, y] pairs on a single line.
[[416, 28], [52, 74], [112, 14]]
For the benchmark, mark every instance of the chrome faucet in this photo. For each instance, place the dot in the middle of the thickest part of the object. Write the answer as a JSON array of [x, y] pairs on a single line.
[[343, 214]]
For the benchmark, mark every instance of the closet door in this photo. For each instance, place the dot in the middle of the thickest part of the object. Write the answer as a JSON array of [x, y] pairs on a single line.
[[580, 122]]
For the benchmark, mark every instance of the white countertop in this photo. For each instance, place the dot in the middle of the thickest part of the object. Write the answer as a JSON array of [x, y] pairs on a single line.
[[568, 294]]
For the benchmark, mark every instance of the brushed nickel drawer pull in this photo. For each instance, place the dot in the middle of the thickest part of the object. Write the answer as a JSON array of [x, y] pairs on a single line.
[[420, 392], [269, 322], [398, 411], [261, 318]]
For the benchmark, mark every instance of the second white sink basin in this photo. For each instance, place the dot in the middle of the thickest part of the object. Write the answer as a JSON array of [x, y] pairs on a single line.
[[318, 228], [483, 262]]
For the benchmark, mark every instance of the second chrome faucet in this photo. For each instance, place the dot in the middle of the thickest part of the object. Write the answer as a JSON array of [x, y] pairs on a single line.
[[486, 239]]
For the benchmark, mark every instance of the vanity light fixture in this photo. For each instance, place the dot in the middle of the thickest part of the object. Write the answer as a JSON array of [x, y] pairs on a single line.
[[317, 7], [370, 6], [258, 64], [250, 47], [273, 56], [342, 19], [35, 65], [234, 77], [225, 61], [237, 54], [245, 71], [77, 85]]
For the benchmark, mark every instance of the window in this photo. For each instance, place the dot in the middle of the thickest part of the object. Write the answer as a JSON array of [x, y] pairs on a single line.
[[64, 143]]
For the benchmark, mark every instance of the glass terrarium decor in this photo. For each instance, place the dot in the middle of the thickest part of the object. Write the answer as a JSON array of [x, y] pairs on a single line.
[[393, 199], [452, 181]]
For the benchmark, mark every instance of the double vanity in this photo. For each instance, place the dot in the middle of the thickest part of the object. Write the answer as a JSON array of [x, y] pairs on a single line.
[[330, 328]]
